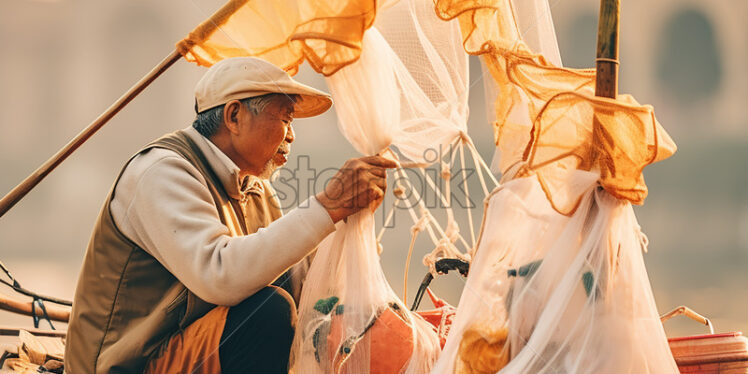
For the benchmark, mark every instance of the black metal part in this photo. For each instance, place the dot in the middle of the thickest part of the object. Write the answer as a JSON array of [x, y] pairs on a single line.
[[443, 266]]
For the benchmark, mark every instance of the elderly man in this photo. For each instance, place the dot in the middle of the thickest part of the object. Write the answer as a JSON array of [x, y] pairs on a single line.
[[191, 267]]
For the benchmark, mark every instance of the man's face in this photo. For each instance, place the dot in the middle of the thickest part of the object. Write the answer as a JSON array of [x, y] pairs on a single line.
[[264, 140]]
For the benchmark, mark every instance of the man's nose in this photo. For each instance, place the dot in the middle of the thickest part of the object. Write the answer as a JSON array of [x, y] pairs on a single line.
[[290, 135]]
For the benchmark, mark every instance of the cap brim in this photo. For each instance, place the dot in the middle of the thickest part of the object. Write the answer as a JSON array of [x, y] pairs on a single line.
[[310, 101], [311, 105]]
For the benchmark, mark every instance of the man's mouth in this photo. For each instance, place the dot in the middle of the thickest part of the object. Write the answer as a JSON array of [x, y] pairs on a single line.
[[283, 151]]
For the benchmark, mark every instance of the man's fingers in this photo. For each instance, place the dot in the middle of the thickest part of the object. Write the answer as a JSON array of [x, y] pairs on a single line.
[[375, 192], [378, 172], [380, 182], [378, 197], [379, 161]]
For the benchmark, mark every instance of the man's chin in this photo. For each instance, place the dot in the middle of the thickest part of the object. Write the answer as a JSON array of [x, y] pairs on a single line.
[[269, 171]]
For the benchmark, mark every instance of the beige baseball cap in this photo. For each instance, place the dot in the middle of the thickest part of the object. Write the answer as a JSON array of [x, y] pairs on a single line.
[[239, 78]]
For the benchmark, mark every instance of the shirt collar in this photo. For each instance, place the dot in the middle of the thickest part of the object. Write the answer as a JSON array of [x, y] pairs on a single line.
[[226, 169]]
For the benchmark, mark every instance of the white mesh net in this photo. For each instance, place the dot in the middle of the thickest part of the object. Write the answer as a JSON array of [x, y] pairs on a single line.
[[547, 292], [408, 90]]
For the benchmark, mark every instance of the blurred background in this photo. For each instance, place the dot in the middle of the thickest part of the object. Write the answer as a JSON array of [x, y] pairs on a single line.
[[65, 61]]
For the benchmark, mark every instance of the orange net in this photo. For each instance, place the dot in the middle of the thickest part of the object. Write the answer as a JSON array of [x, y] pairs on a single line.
[[570, 128], [327, 33], [565, 280]]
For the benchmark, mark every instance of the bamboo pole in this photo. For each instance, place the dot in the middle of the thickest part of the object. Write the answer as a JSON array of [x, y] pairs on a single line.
[[606, 84], [55, 313], [32, 180]]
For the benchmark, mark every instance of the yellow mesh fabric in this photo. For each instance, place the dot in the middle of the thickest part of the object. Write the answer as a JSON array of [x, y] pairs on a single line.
[[327, 33], [571, 128]]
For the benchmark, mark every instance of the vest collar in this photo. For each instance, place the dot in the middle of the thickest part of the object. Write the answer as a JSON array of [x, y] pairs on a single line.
[[226, 170]]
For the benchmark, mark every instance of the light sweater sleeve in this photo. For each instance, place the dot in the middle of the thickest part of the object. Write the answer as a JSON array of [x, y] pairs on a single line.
[[172, 216]]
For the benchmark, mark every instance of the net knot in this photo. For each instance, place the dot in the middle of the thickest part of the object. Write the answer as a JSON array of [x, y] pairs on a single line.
[[399, 190], [422, 222], [464, 137], [446, 172]]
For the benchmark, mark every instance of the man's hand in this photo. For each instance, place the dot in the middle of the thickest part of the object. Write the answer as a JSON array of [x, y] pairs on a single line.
[[360, 183]]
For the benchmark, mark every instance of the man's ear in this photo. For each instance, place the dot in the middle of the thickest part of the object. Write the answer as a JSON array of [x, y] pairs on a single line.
[[231, 116]]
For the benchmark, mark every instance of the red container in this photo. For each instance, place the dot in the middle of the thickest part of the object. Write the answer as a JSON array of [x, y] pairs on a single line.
[[725, 353]]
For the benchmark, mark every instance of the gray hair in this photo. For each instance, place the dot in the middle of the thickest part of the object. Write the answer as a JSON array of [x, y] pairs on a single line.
[[209, 121]]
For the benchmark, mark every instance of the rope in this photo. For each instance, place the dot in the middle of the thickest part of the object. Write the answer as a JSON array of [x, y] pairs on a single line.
[[443, 239], [480, 172], [386, 224], [447, 176], [448, 187], [15, 286], [604, 59], [467, 194], [413, 215], [440, 243], [446, 201], [414, 230], [452, 231], [446, 172], [432, 184], [44, 316], [472, 148]]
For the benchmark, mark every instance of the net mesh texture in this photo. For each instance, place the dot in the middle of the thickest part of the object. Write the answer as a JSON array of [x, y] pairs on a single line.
[[557, 281]]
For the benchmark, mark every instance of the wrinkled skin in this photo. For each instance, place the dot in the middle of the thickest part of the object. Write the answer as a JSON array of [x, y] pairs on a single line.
[[259, 144], [359, 184]]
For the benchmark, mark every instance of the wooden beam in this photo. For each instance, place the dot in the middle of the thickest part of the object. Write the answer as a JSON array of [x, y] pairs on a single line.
[[23, 188], [14, 331], [606, 84], [55, 313]]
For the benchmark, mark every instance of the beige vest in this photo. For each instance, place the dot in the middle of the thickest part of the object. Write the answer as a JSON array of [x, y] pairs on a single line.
[[127, 305]]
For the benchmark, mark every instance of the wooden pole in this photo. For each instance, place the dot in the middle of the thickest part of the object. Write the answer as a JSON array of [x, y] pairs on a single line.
[[15, 331], [606, 84], [32, 180], [55, 313]]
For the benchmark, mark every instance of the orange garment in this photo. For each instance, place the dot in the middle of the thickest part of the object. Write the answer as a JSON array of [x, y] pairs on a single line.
[[195, 350]]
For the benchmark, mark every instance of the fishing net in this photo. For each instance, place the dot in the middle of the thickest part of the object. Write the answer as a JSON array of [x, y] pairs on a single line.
[[558, 283], [557, 293], [546, 108], [407, 91], [326, 33]]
